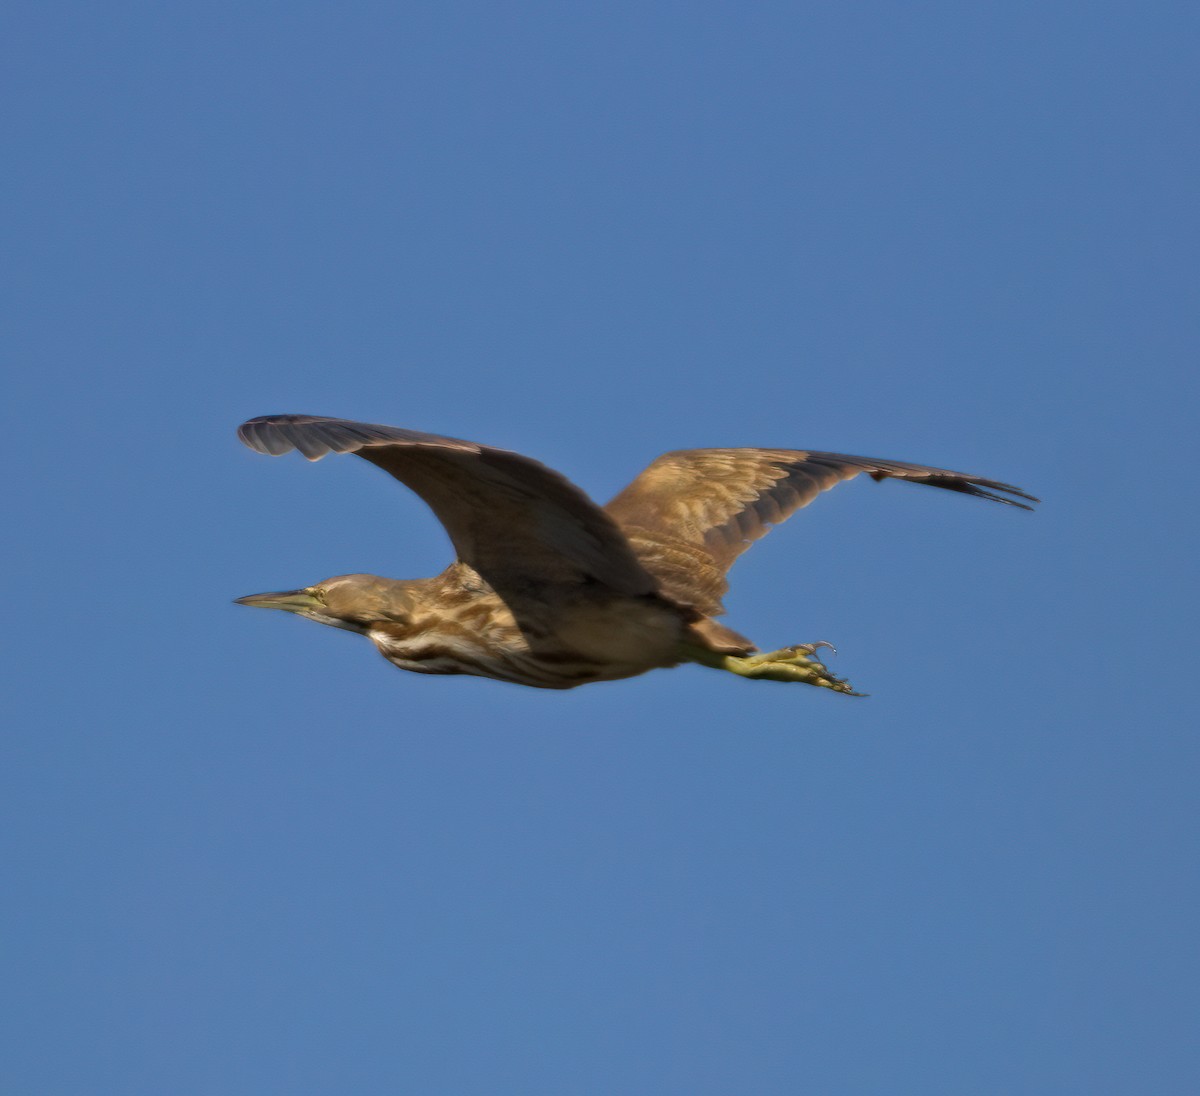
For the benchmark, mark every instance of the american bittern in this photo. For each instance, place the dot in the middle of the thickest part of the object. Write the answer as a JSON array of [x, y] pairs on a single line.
[[553, 591]]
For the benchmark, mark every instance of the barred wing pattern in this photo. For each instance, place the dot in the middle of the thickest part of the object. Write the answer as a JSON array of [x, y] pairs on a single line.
[[691, 513], [520, 525]]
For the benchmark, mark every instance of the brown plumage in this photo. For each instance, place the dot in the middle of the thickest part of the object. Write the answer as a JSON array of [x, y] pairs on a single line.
[[551, 590]]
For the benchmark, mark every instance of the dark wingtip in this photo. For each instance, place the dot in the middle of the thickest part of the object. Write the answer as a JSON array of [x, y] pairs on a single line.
[[994, 495], [988, 489], [1000, 490], [278, 434], [963, 482], [976, 487], [258, 435], [316, 435]]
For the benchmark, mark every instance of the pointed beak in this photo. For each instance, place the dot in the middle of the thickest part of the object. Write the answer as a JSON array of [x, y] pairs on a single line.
[[292, 601]]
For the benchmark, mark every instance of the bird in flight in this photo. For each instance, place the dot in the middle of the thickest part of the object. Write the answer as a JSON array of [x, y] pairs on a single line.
[[551, 590]]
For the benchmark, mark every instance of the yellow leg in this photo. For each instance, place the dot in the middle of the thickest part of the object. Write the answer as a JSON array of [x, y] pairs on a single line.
[[797, 663]]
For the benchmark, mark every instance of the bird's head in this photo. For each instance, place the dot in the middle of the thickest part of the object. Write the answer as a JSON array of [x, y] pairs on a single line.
[[352, 602]]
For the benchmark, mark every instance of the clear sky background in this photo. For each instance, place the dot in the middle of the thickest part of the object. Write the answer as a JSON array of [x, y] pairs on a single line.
[[246, 856]]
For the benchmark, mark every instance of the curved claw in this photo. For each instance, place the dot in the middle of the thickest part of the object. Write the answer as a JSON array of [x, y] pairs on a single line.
[[811, 649]]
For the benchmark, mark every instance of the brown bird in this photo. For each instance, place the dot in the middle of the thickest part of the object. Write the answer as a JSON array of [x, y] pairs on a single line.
[[553, 591]]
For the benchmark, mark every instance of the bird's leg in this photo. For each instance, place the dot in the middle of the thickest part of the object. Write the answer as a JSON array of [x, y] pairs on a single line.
[[797, 663]]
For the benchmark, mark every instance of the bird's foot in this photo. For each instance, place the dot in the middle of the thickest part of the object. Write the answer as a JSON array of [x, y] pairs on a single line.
[[797, 663]]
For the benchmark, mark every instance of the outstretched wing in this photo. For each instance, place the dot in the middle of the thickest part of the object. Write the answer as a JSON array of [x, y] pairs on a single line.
[[691, 513], [522, 526]]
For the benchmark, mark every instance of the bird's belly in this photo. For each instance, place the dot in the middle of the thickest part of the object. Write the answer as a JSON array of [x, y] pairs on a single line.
[[597, 642], [629, 637]]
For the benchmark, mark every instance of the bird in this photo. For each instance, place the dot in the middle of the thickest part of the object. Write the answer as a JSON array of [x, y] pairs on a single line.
[[551, 590]]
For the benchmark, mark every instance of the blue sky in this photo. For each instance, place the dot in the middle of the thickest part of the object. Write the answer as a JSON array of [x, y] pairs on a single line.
[[245, 855]]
